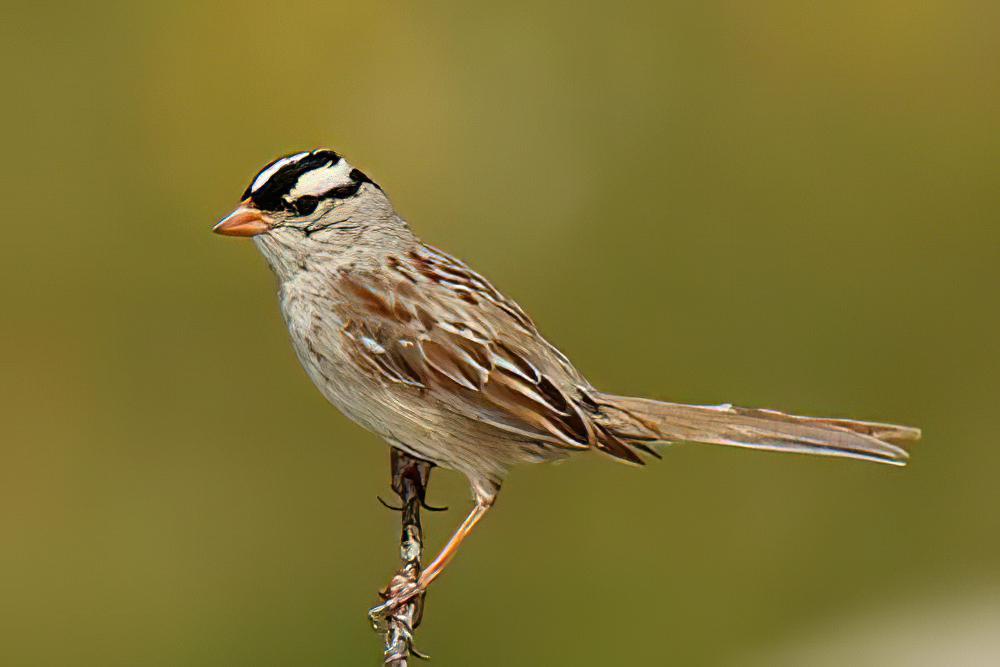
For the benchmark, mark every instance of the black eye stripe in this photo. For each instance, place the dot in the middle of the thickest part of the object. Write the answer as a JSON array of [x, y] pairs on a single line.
[[305, 204], [343, 191]]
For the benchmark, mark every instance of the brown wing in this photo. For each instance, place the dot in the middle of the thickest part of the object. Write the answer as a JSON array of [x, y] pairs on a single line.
[[435, 326]]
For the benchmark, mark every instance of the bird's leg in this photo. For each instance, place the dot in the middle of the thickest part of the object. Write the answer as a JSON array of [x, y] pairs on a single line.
[[436, 566], [402, 594]]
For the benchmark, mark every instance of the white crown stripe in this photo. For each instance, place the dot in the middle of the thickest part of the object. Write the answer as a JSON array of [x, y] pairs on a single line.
[[321, 180], [265, 175]]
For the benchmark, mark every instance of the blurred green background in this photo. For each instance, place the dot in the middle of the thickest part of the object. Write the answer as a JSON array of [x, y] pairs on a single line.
[[779, 204]]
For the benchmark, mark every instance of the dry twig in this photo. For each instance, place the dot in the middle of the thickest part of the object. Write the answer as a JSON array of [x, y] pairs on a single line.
[[409, 481]]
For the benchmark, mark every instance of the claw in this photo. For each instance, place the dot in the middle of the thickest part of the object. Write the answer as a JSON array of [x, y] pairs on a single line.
[[431, 508], [392, 507], [400, 644], [423, 504], [380, 615]]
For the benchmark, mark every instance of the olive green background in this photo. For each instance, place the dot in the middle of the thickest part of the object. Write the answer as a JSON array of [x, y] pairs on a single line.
[[780, 204]]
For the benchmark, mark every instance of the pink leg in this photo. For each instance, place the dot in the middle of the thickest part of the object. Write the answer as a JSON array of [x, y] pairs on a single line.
[[436, 566]]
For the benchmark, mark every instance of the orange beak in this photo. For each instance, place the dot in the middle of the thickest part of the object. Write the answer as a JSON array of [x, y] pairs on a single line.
[[244, 221]]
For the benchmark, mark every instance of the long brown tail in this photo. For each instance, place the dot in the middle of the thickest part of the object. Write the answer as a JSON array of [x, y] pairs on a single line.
[[640, 421]]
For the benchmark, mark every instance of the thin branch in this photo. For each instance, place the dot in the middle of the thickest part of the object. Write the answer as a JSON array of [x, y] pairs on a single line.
[[409, 481]]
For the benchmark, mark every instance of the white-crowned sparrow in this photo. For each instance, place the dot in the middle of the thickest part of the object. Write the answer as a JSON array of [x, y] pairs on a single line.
[[413, 345]]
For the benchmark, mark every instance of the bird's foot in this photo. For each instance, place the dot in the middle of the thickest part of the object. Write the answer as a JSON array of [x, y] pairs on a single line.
[[395, 608], [400, 612]]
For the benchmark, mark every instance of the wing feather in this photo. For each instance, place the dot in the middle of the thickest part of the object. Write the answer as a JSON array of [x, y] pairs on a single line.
[[431, 324]]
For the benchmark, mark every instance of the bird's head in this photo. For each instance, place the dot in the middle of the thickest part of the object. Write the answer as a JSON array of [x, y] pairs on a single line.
[[303, 194]]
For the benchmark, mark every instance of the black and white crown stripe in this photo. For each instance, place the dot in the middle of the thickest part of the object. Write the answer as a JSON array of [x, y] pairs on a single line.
[[299, 182]]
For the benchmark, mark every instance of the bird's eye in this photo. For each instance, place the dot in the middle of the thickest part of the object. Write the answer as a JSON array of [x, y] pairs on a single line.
[[305, 204]]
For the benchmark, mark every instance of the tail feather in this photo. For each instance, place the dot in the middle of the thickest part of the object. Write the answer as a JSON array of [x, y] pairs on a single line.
[[638, 421]]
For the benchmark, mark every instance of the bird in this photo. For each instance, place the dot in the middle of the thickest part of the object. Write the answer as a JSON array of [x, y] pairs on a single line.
[[418, 348]]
